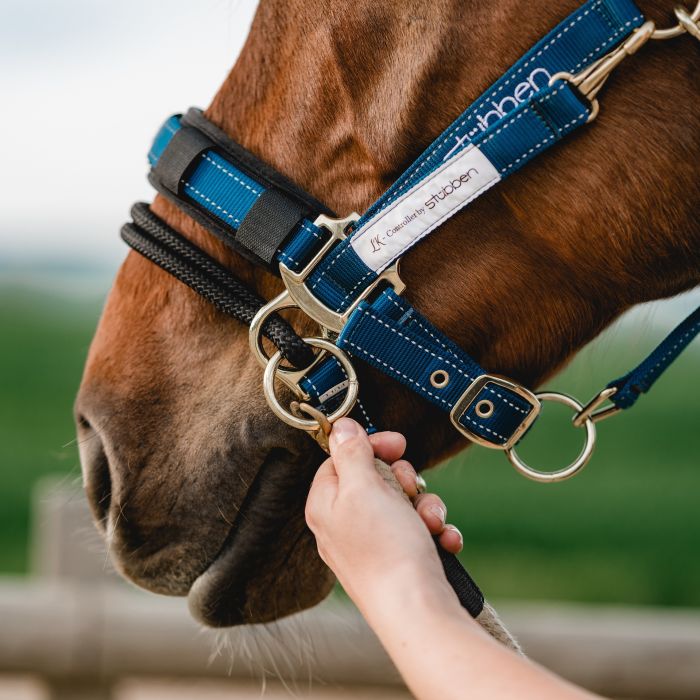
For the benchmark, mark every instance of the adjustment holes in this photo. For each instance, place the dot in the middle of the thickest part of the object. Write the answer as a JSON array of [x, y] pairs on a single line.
[[439, 378], [484, 409]]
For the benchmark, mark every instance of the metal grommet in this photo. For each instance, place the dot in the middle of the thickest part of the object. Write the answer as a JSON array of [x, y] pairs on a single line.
[[484, 409], [578, 464], [439, 378], [272, 370]]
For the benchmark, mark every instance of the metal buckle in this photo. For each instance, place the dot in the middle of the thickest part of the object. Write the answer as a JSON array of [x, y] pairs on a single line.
[[469, 396], [301, 296]]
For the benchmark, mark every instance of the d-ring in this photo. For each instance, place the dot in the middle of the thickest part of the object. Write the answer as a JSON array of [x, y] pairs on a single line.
[[272, 371], [578, 464]]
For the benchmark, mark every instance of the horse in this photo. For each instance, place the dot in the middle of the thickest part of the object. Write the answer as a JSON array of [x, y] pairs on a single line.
[[198, 488]]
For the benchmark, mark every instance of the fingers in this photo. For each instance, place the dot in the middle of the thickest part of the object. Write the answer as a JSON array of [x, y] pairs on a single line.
[[388, 446], [406, 476], [352, 453], [321, 494], [432, 511], [451, 539]]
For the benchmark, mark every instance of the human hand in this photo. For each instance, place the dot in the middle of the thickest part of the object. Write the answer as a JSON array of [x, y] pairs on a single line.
[[366, 532]]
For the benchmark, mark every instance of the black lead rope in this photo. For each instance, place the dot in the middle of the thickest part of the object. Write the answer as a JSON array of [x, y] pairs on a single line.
[[162, 245]]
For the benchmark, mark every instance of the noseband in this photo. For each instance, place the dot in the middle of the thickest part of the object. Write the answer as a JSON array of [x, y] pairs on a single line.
[[343, 273]]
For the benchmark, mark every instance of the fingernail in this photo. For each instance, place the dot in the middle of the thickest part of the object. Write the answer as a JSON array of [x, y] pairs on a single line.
[[438, 512], [454, 529], [343, 429]]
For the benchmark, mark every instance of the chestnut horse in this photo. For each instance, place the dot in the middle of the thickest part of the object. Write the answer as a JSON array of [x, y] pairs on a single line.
[[198, 487]]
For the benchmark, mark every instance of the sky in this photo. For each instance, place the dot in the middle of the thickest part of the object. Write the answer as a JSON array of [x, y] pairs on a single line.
[[84, 85]]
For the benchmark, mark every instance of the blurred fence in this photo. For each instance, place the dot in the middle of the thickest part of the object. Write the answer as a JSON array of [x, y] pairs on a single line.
[[80, 630]]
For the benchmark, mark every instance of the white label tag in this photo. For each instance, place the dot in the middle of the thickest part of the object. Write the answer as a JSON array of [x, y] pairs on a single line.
[[424, 207]]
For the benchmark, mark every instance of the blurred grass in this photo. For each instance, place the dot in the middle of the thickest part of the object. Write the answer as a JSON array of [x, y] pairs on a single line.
[[43, 343], [625, 530]]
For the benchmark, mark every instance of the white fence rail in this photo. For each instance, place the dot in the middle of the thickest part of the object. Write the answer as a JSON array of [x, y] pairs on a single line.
[[76, 627]]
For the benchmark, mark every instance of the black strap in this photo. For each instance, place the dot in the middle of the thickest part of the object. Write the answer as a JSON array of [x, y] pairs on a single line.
[[161, 244], [268, 222], [273, 217], [471, 598], [180, 156]]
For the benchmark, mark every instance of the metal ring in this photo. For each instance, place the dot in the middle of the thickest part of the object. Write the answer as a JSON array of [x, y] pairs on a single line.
[[578, 464], [677, 29], [272, 369], [281, 301]]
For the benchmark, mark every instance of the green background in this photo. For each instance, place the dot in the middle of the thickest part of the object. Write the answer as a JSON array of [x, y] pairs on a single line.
[[626, 530]]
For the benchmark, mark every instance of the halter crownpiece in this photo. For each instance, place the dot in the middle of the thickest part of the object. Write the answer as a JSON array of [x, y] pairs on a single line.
[[343, 273]]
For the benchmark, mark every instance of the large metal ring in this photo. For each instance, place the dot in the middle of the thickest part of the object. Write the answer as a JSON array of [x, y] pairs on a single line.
[[578, 464], [272, 371], [281, 301], [684, 17]]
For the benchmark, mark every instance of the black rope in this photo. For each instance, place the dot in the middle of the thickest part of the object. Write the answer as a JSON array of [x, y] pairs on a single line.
[[155, 240]]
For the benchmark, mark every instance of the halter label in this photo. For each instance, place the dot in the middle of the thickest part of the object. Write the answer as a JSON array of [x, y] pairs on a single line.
[[423, 208]]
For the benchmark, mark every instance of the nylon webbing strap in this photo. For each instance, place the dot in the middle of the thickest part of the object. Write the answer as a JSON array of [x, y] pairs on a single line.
[[639, 380], [224, 187], [517, 118]]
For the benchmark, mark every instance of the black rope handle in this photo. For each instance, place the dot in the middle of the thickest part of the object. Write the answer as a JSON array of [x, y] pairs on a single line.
[[155, 240]]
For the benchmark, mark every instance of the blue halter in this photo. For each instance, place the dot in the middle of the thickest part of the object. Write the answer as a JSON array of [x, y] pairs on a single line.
[[351, 287]]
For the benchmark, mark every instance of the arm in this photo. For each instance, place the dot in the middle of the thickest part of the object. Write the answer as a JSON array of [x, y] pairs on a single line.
[[381, 551]]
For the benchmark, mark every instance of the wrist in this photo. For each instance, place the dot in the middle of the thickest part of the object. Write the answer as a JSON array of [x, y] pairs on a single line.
[[413, 589]]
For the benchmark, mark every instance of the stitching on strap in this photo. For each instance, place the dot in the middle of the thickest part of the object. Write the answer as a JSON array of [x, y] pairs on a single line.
[[230, 174], [212, 202]]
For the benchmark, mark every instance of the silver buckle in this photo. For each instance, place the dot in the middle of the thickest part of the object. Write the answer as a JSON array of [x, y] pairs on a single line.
[[469, 396], [301, 296]]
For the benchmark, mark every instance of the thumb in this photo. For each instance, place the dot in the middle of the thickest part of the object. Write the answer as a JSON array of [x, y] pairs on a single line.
[[352, 453]]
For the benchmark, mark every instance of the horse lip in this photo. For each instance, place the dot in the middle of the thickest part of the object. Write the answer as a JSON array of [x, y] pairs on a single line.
[[217, 597]]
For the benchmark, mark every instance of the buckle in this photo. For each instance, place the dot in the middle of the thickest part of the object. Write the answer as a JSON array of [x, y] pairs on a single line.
[[302, 297], [465, 402]]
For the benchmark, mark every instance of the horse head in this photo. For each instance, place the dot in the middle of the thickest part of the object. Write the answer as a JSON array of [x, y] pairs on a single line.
[[197, 486]]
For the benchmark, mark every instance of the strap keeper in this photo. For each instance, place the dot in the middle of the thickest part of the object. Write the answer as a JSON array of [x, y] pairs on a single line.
[[466, 403], [179, 156]]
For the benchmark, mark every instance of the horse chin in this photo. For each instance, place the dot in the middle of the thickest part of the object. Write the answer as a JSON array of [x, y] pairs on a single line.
[[268, 567]]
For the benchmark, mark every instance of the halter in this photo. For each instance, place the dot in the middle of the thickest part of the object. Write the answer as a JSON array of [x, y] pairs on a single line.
[[343, 272]]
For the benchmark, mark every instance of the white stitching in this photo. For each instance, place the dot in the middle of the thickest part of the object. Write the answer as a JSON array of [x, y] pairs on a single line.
[[493, 94], [421, 387], [444, 347], [230, 174], [670, 351], [357, 284], [541, 143], [212, 202], [393, 369]]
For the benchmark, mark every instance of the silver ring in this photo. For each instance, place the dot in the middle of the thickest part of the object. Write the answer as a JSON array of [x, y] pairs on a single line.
[[578, 464], [421, 486]]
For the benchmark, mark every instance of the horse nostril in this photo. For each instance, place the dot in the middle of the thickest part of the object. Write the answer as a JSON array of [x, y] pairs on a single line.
[[96, 476]]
